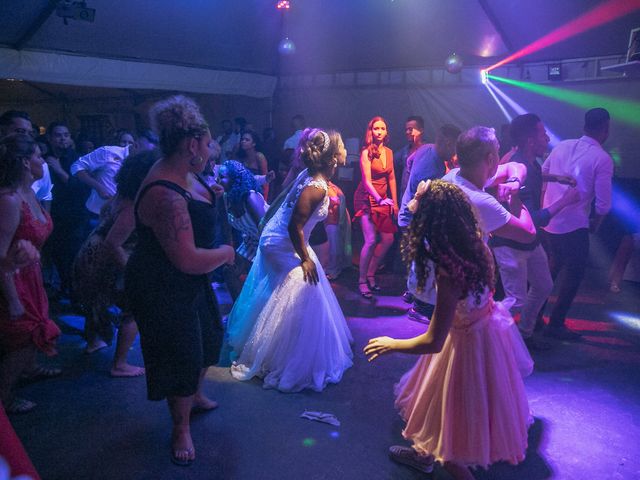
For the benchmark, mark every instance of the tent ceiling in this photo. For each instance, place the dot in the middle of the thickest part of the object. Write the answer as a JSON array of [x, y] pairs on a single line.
[[330, 35]]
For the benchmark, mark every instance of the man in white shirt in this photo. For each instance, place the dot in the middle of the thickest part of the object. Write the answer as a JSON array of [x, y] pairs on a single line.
[[98, 170], [585, 160], [227, 140], [15, 121], [478, 157], [291, 143]]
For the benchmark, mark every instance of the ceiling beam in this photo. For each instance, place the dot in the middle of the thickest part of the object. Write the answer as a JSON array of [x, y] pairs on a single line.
[[484, 4], [44, 14], [40, 89]]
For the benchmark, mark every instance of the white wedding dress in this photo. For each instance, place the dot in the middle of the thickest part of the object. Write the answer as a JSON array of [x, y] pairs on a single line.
[[287, 331]]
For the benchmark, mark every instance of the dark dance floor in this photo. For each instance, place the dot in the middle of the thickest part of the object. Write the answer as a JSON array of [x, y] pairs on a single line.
[[585, 398]]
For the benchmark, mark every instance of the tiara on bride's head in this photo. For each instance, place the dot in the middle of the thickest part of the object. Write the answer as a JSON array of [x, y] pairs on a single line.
[[325, 138]]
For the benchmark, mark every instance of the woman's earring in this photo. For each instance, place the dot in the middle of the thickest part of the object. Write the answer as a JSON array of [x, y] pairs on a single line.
[[196, 161]]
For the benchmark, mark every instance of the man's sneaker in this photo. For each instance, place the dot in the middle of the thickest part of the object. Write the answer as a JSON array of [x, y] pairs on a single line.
[[407, 297], [562, 333], [408, 456], [416, 316]]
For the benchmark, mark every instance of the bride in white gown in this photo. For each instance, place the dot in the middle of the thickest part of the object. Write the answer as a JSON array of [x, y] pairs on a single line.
[[287, 326]]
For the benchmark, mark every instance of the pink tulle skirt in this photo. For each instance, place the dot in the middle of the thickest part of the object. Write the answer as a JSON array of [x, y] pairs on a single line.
[[468, 403]]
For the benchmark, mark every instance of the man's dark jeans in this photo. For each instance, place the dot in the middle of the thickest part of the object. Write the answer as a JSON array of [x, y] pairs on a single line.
[[569, 255]]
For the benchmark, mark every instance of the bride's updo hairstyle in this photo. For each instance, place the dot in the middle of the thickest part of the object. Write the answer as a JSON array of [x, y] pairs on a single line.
[[175, 119], [317, 149]]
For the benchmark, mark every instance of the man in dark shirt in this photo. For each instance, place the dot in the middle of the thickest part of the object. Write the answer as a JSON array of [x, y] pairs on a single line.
[[67, 209], [524, 267]]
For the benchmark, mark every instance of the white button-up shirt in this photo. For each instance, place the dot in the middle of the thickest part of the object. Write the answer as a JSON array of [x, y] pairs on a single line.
[[102, 164], [585, 160]]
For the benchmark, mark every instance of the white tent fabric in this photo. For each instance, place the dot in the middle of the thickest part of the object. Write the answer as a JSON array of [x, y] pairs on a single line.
[[100, 72]]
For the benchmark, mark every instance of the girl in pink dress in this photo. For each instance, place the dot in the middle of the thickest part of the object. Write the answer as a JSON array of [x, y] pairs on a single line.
[[464, 401]]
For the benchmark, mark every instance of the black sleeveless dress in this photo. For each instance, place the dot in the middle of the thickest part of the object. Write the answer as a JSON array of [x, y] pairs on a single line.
[[177, 313]]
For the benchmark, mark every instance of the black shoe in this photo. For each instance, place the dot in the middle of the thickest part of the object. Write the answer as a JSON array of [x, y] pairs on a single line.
[[534, 344], [408, 456], [562, 333], [417, 316], [373, 286], [408, 297]]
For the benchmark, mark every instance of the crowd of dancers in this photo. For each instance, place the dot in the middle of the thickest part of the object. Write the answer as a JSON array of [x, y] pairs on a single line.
[[165, 220]]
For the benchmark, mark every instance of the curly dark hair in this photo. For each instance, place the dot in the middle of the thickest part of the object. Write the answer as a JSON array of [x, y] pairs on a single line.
[[242, 181], [175, 119], [311, 150], [369, 146], [133, 171], [14, 148], [444, 229]]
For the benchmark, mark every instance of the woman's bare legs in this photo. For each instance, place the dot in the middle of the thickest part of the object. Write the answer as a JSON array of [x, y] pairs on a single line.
[[126, 336], [180, 408], [12, 366], [200, 401], [620, 261], [386, 240], [181, 441], [367, 252]]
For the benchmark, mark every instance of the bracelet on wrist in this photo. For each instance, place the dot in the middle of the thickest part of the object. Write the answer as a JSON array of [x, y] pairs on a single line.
[[514, 179]]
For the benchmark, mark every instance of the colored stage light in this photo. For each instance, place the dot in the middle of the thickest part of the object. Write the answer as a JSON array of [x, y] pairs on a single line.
[[626, 208], [626, 111], [512, 103], [604, 13], [308, 442], [626, 319], [283, 5], [484, 76], [499, 103], [553, 138]]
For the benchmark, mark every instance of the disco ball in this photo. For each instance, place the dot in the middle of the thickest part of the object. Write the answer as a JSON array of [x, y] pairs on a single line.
[[286, 47], [453, 64]]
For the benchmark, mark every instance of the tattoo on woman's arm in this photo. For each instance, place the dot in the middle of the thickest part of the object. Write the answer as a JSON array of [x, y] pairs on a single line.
[[172, 217]]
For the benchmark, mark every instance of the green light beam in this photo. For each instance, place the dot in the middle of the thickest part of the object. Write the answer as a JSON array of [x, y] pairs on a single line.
[[626, 111]]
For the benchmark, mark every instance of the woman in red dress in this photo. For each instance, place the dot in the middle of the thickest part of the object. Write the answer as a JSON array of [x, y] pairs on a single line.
[[25, 326], [377, 212]]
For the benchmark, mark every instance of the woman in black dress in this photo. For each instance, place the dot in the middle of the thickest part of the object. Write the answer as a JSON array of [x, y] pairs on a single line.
[[167, 278]]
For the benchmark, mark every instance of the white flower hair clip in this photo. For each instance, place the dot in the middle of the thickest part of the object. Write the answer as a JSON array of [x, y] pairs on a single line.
[[423, 186]]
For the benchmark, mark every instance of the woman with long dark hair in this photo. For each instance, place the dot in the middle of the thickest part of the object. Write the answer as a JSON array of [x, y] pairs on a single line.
[[25, 326], [374, 208], [251, 157]]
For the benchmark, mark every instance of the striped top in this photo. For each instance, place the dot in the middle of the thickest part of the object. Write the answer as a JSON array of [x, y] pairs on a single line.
[[249, 230]]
